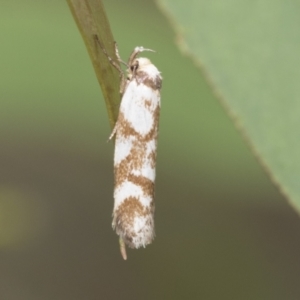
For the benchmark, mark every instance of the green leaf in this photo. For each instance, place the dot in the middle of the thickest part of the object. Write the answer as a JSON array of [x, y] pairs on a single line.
[[94, 27], [250, 52]]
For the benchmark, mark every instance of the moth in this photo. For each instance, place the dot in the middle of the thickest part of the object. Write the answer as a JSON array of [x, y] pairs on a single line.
[[136, 132]]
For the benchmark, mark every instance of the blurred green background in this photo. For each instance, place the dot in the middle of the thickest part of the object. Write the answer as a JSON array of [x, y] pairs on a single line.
[[223, 231]]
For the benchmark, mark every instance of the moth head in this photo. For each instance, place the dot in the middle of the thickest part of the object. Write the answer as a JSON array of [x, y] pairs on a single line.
[[139, 63]]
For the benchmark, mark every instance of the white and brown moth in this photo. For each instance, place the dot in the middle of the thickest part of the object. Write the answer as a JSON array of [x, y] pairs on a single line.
[[136, 133]]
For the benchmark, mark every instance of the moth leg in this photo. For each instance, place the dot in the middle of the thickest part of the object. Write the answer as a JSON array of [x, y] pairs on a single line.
[[123, 79], [113, 132], [113, 63], [107, 55], [118, 55], [123, 248]]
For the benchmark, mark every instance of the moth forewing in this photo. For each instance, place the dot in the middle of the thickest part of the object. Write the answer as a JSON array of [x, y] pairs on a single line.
[[135, 155], [136, 133]]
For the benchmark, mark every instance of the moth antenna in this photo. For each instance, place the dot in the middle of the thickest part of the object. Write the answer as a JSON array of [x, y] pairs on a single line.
[[145, 49], [135, 52]]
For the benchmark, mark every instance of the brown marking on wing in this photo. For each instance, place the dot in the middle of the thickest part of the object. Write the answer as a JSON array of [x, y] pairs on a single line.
[[124, 219], [122, 170], [153, 132], [152, 158], [138, 154], [153, 83], [148, 103], [133, 161], [126, 130], [145, 183]]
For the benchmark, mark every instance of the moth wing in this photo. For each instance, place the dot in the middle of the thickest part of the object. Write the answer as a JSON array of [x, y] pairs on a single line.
[[139, 103]]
